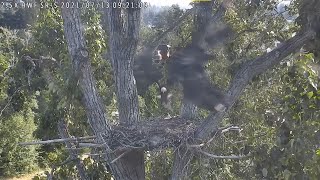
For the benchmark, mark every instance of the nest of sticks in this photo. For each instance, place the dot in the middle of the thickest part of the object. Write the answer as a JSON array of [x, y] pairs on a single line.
[[151, 135]]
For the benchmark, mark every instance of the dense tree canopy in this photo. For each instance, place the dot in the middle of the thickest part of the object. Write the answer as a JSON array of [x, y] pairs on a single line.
[[70, 75]]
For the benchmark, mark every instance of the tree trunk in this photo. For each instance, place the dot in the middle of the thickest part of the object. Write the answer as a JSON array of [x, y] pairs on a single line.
[[182, 160], [91, 100], [124, 25], [188, 110], [123, 46]]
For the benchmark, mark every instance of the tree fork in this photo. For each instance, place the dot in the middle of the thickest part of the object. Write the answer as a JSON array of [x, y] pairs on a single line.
[[74, 33]]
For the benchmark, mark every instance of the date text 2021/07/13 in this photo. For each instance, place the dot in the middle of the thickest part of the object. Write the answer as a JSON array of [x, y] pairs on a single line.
[[72, 4]]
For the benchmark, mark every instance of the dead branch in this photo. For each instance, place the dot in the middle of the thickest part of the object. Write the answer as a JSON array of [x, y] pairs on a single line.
[[90, 145], [220, 157], [9, 101], [231, 128], [56, 141]]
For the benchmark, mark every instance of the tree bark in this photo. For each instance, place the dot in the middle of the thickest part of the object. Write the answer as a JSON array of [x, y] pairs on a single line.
[[188, 110], [91, 100], [181, 162], [124, 25], [124, 35], [123, 46]]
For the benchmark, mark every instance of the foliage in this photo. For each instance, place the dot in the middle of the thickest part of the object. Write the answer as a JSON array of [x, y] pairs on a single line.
[[17, 112], [278, 113], [16, 159]]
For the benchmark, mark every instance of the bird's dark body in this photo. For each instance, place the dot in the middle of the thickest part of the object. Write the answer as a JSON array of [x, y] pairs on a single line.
[[203, 94], [145, 72], [187, 68]]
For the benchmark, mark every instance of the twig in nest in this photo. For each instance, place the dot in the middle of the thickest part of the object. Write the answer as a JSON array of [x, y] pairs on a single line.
[[90, 145], [223, 130], [231, 128], [96, 154], [121, 155]]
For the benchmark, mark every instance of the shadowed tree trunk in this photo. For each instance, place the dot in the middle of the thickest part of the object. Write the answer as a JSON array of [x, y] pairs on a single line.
[[124, 25]]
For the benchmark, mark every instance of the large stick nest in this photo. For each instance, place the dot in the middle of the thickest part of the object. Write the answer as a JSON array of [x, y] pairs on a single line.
[[150, 135]]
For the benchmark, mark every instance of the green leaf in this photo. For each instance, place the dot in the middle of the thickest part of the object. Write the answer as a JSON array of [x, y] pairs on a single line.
[[310, 94]]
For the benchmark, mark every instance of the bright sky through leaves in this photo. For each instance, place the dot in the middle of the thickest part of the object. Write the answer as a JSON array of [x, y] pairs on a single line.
[[181, 3]]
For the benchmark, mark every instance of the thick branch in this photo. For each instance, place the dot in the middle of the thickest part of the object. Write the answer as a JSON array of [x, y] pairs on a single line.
[[123, 46], [124, 34], [57, 140], [250, 70]]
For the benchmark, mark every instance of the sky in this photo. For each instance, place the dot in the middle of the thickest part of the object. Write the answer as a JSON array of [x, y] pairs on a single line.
[[182, 3]]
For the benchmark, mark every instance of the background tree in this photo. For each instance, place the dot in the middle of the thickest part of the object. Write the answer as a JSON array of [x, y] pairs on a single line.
[[270, 131]]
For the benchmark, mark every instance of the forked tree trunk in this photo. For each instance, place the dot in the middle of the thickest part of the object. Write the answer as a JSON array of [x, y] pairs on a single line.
[[123, 42], [124, 25]]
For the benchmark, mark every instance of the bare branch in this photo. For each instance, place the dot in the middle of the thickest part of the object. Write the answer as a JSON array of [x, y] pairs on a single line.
[[9, 101], [96, 154], [90, 145], [221, 157], [231, 128], [57, 141]]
